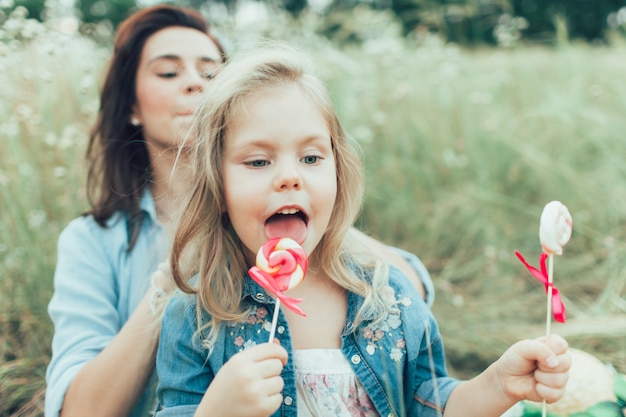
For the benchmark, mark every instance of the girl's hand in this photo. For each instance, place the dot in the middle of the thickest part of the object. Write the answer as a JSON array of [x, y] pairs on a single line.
[[535, 369], [249, 384]]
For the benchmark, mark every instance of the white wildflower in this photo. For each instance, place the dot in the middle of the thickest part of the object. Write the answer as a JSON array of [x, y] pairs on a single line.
[[36, 218], [59, 172], [50, 139], [6, 4]]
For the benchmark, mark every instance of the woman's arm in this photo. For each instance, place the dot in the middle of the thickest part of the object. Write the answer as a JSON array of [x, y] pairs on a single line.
[[112, 382], [100, 366]]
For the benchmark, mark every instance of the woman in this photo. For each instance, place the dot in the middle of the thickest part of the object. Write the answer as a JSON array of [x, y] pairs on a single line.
[[104, 307]]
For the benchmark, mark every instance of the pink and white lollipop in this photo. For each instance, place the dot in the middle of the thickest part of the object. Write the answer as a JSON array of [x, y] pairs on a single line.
[[281, 264]]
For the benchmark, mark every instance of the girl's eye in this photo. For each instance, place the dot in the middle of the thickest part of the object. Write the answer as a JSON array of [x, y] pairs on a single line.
[[208, 75], [311, 159], [257, 163], [167, 74]]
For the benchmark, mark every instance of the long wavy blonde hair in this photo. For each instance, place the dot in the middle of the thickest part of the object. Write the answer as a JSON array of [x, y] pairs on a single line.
[[204, 242]]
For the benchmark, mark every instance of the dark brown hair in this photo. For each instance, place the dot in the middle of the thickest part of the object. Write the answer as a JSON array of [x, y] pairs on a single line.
[[118, 163]]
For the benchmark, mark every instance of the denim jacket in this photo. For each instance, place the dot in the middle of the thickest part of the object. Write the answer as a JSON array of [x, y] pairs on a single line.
[[400, 362]]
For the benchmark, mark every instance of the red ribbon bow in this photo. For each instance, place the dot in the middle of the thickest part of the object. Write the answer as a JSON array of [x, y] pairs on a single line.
[[557, 305]]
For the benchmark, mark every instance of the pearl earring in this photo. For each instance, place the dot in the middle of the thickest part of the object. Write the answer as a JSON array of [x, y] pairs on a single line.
[[134, 121]]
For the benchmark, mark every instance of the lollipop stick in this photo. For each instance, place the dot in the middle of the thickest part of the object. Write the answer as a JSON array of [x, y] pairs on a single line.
[[549, 305], [549, 313], [274, 320]]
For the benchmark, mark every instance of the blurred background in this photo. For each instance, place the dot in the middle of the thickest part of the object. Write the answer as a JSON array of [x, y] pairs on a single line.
[[472, 115]]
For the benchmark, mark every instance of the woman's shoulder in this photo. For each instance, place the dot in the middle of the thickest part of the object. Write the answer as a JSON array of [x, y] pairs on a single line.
[[86, 225], [403, 288], [398, 279], [84, 234], [418, 267]]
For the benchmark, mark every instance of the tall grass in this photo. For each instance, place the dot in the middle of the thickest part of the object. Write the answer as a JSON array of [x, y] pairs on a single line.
[[462, 150], [48, 98]]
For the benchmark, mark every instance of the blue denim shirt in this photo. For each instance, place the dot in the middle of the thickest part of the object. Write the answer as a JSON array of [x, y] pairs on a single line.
[[392, 360], [98, 284]]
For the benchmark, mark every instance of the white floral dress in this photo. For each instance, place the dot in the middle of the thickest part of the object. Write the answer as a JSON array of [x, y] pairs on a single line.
[[327, 386]]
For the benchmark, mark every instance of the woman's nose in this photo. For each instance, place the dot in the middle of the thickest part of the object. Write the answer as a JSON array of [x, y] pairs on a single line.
[[194, 82]]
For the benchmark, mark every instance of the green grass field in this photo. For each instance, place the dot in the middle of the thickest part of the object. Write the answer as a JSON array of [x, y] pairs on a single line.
[[462, 149]]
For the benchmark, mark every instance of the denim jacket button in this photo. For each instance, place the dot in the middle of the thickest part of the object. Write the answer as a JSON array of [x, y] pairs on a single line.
[[260, 296], [288, 400], [391, 415], [280, 329], [356, 359]]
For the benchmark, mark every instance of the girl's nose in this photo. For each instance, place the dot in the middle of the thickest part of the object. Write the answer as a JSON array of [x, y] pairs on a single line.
[[288, 178]]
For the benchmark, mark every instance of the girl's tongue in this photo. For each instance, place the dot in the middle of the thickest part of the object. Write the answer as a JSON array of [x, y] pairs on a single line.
[[286, 225]]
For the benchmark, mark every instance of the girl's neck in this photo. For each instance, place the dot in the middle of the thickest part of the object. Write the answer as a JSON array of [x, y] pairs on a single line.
[[326, 305]]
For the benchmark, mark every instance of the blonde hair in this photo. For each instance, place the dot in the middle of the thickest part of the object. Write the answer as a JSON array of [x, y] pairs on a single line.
[[206, 245]]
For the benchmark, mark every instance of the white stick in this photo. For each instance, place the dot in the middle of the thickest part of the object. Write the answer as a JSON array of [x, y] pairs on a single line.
[[274, 320], [548, 315]]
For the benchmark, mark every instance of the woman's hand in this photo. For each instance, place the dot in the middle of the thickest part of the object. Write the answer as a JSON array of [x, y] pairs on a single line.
[[161, 286]]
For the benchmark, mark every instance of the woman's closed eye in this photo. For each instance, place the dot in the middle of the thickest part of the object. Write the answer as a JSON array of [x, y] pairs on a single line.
[[168, 71], [167, 74]]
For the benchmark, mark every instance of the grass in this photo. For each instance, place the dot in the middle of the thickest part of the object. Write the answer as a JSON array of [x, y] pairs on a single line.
[[462, 149]]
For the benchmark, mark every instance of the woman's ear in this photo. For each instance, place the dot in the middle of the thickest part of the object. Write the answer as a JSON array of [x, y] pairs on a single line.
[[134, 119]]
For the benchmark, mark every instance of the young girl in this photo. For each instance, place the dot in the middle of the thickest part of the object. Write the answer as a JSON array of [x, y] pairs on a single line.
[[272, 160]]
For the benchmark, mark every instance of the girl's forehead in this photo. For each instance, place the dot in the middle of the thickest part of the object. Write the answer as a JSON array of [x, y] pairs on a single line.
[[276, 115]]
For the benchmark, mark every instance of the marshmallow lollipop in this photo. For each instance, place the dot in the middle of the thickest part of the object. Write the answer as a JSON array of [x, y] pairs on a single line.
[[281, 264], [555, 230]]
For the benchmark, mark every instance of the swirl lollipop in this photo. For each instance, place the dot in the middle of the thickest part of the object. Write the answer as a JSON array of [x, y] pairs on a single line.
[[281, 264], [555, 230]]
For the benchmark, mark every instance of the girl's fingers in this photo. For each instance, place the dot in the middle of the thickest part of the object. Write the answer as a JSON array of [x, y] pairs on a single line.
[[556, 343], [551, 379], [548, 393], [274, 385], [269, 367]]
